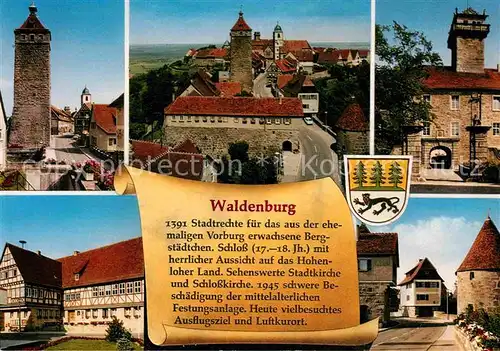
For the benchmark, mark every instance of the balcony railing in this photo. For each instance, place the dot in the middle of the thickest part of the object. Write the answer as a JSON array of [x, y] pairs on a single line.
[[471, 27]]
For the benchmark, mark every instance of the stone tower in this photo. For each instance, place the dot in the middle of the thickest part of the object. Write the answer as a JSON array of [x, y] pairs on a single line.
[[478, 277], [278, 41], [86, 97], [466, 41], [241, 54], [30, 127]]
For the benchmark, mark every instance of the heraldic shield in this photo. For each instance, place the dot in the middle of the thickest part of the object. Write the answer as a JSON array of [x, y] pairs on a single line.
[[377, 187]]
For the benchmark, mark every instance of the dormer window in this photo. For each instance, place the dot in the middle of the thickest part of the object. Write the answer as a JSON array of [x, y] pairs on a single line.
[[77, 276]]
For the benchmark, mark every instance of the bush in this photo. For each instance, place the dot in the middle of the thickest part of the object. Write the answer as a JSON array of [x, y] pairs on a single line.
[[124, 344], [117, 331]]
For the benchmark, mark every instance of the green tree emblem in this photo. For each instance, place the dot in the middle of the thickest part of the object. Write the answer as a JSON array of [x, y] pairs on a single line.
[[395, 174], [359, 175], [378, 175]]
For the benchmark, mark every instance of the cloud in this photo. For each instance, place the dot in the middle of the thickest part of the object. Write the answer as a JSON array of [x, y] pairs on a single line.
[[443, 240]]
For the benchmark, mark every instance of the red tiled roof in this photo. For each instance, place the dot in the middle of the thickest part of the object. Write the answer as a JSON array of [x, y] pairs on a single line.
[[344, 53], [229, 88], [485, 251], [377, 243], [303, 55], [423, 270], [211, 53], [286, 65], [308, 82], [35, 268], [328, 56], [295, 45], [145, 151], [261, 44], [187, 146], [446, 78], [319, 49], [105, 117], [235, 106], [363, 53], [61, 114], [353, 119], [241, 24], [116, 262], [284, 79], [33, 25]]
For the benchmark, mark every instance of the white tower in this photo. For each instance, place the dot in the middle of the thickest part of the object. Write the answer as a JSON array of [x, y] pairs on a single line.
[[86, 96], [278, 41]]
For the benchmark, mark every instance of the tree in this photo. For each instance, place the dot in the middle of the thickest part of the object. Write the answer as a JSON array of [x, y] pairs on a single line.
[[378, 175], [344, 85], [401, 67], [238, 151], [117, 331], [395, 176], [360, 174]]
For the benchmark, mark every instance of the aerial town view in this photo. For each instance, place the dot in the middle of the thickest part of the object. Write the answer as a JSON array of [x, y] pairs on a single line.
[[264, 88], [445, 77], [61, 102]]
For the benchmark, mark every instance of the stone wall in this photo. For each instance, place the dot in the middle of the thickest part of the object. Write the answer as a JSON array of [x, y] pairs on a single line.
[[482, 292], [31, 115], [241, 59], [215, 141], [372, 294], [444, 116], [469, 55], [353, 143], [382, 269]]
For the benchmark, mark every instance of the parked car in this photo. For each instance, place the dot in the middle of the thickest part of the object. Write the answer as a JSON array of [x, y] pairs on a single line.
[[308, 120]]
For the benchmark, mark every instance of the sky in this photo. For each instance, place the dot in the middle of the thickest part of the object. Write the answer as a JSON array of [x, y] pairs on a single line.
[[87, 48], [433, 18], [442, 230], [209, 21], [59, 225]]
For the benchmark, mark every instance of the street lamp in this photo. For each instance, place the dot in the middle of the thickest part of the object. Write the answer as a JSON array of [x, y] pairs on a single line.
[[326, 118]]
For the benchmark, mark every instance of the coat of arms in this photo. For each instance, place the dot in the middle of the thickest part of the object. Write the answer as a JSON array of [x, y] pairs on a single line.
[[377, 187]]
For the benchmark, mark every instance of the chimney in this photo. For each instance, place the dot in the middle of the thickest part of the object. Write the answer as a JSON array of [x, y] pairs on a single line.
[[256, 36], [498, 67], [39, 253], [75, 253]]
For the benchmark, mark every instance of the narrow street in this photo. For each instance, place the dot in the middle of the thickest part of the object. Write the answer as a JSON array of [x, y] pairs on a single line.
[[64, 150], [319, 160], [431, 335], [259, 86]]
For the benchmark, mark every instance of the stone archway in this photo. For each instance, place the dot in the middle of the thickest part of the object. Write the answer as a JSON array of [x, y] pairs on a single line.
[[287, 145], [440, 157]]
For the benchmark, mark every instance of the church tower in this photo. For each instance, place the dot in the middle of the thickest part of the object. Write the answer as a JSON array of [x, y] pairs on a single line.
[[278, 41], [86, 97], [466, 41], [241, 54], [30, 127]]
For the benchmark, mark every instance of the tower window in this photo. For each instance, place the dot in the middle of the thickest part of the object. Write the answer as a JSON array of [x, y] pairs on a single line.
[[427, 129], [471, 276], [32, 37], [496, 103], [496, 128], [455, 129]]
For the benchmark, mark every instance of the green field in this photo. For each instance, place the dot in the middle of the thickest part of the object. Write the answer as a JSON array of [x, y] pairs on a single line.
[[80, 344]]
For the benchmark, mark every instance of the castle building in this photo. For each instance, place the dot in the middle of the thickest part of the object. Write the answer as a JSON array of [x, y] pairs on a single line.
[[213, 122], [378, 260], [82, 291], [241, 54], [465, 102], [420, 290], [30, 128], [478, 277]]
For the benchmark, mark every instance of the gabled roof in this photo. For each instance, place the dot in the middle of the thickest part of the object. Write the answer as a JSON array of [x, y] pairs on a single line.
[[299, 83], [240, 24], [377, 243], [353, 119], [295, 45], [283, 80], [235, 106], [105, 117], [445, 78], [328, 57], [423, 270], [35, 268], [116, 262], [145, 151], [211, 53], [203, 85], [118, 102], [229, 88], [261, 44], [303, 55], [286, 65], [485, 251], [60, 114]]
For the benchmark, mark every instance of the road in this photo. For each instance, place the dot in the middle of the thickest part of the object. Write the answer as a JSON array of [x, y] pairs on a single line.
[[66, 151], [319, 160], [259, 86], [414, 335]]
